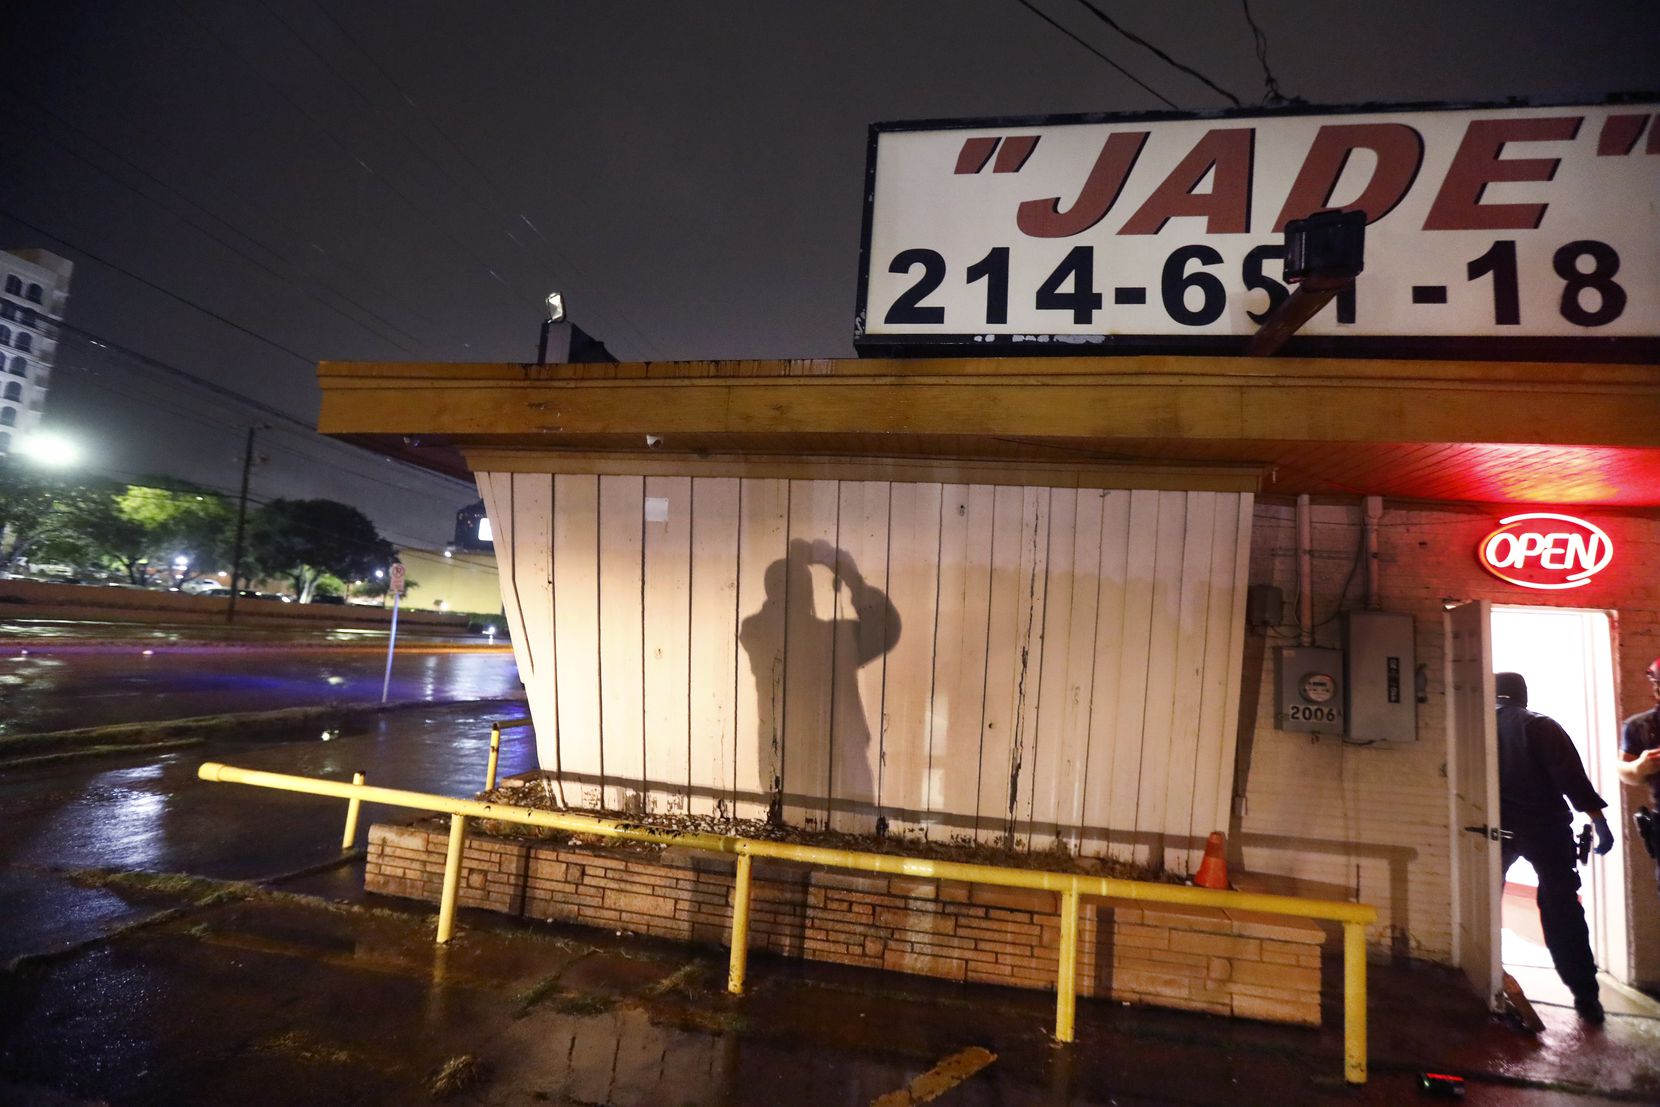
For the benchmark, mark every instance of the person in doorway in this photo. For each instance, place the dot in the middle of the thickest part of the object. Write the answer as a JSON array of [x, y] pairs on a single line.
[[1640, 765], [1538, 767]]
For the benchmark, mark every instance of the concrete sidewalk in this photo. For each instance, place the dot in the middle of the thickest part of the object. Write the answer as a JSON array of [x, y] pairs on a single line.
[[288, 993]]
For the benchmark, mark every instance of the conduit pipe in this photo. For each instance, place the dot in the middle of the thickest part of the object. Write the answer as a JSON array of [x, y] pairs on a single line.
[[1373, 513], [1305, 572], [1354, 916]]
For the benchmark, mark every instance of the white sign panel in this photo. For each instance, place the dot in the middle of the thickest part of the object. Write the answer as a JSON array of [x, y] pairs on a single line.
[[1528, 229]]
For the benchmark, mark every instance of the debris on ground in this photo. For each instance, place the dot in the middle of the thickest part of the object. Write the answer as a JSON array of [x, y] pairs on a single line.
[[541, 792]]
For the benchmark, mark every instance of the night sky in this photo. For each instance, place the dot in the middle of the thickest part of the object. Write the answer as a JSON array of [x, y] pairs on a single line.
[[406, 181]]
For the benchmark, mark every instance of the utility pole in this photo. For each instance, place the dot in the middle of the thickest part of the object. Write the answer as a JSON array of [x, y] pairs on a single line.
[[241, 525]]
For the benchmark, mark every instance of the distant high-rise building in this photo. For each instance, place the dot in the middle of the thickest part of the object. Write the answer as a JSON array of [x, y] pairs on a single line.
[[34, 289]]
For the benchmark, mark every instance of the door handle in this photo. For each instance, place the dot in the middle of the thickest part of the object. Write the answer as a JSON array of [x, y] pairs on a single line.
[[1492, 833]]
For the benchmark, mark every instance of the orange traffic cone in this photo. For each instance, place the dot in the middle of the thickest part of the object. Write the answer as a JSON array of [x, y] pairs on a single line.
[[1213, 870]]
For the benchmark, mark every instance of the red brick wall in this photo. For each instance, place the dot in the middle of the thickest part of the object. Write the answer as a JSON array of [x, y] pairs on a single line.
[[1223, 962]]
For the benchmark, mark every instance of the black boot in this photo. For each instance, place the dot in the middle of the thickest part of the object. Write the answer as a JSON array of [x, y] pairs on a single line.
[[1590, 1008]]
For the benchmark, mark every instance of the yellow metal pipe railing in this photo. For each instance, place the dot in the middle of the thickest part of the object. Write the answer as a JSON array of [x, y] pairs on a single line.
[[1354, 916], [1066, 982], [353, 805], [740, 926], [1354, 1000], [452, 878], [495, 748]]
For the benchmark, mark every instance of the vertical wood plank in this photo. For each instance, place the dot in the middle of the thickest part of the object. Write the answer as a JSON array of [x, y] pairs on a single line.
[[576, 634], [622, 693], [529, 535], [1216, 714], [809, 652], [1187, 692], [999, 788], [913, 586], [958, 709], [763, 545], [1080, 666], [1158, 713], [666, 638], [1235, 663], [1030, 624], [1052, 742], [1100, 783], [621, 616], [864, 625], [1134, 648], [497, 491], [713, 679]]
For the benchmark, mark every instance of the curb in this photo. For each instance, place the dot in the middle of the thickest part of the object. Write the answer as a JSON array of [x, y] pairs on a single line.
[[125, 738]]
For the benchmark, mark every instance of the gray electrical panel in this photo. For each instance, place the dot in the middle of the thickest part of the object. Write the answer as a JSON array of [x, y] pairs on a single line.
[[1380, 667], [1311, 697]]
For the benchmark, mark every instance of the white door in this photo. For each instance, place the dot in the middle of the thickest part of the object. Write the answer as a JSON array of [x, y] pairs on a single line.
[[1566, 654], [1472, 759]]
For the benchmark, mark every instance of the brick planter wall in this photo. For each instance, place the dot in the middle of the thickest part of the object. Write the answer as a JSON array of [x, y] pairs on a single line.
[[1224, 962]]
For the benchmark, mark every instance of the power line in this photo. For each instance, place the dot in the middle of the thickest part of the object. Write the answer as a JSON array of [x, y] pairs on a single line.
[[231, 246], [1027, 4], [183, 374], [215, 424], [133, 125], [1139, 41], [140, 480], [429, 218], [169, 369], [490, 185], [1272, 94], [231, 323]]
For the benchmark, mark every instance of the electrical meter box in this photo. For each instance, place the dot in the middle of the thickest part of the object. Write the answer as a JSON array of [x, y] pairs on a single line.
[[1311, 691], [1380, 677]]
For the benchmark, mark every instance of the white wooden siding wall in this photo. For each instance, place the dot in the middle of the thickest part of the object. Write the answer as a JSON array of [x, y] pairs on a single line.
[[1042, 666]]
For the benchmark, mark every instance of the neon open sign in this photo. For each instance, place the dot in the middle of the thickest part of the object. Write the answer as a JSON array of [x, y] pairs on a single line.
[[1542, 549]]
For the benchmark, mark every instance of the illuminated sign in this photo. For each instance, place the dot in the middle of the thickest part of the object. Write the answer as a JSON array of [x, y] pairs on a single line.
[[1526, 226], [1544, 550]]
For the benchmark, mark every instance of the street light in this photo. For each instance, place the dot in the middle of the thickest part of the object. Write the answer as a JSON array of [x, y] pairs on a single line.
[[556, 314], [49, 449]]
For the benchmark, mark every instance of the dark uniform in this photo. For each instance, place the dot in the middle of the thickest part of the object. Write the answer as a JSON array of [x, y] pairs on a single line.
[[1538, 766], [1641, 733]]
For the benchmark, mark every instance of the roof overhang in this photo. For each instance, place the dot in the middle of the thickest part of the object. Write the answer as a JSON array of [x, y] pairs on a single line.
[[1480, 431]]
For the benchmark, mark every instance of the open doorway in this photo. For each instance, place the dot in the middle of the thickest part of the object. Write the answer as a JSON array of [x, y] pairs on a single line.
[[1566, 654]]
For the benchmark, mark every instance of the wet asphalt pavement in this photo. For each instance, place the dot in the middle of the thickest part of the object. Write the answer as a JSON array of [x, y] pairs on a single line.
[[149, 812], [305, 990], [53, 684]]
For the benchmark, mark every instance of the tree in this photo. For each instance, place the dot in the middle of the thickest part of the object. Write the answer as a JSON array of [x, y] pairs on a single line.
[[303, 540], [38, 511], [95, 532], [182, 522], [143, 530]]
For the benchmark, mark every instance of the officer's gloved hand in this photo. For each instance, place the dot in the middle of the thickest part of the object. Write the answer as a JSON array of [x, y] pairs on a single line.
[[1605, 837]]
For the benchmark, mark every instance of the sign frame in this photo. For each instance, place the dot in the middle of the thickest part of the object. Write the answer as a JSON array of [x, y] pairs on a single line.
[[1576, 347]]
